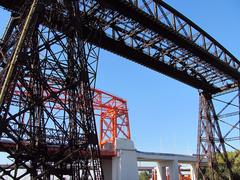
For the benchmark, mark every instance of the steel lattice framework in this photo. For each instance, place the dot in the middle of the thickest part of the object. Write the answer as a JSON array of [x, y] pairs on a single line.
[[42, 64], [111, 111], [148, 32], [114, 120]]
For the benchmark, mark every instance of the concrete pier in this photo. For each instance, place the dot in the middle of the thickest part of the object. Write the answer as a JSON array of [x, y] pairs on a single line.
[[124, 165]]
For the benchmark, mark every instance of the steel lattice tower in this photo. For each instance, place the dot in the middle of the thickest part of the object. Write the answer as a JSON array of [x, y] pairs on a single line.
[[218, 134], [41, 63]]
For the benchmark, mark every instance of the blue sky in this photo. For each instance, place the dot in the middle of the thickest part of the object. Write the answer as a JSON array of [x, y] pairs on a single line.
[[163, 112]]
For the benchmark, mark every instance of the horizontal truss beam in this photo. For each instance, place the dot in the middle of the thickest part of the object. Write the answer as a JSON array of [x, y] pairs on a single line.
[[148, 22], [129, 10]]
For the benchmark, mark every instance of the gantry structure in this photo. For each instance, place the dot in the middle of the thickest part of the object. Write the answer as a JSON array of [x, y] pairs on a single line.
[[110, 111], [50, 47]]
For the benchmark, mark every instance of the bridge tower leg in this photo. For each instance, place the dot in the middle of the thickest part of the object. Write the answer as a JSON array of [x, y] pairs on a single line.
[[218, 135], [41, 63]]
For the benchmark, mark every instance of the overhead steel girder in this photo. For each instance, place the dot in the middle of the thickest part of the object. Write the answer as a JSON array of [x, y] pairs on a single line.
[[120, 48], [130, 11], [11, 5], [139, 57], [192, 24]]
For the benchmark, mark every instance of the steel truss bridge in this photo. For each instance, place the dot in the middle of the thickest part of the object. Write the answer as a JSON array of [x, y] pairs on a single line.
[[50, 48]]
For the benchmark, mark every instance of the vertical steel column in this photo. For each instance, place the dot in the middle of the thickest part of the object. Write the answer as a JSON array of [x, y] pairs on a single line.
[[211, 144]]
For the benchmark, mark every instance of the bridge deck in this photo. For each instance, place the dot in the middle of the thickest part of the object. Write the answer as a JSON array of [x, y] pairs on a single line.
[[151, 156]]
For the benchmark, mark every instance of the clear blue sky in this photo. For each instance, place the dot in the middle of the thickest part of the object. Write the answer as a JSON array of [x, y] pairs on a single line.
[[163, 112]]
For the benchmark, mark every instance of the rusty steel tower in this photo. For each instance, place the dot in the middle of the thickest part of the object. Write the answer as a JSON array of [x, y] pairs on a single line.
[[50, 48], [41, 59]]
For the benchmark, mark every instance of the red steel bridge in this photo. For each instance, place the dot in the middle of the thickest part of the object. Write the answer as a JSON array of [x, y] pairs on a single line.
[[51, 48]]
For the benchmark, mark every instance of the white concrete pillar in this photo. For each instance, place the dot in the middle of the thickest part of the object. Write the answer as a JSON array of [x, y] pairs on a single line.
[[193, 171], [124, 166], [173, 170], [161, 171]]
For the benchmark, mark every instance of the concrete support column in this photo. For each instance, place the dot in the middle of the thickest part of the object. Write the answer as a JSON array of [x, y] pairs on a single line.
[[173, 170], [161, 171], [193, 171], [124, 166]]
